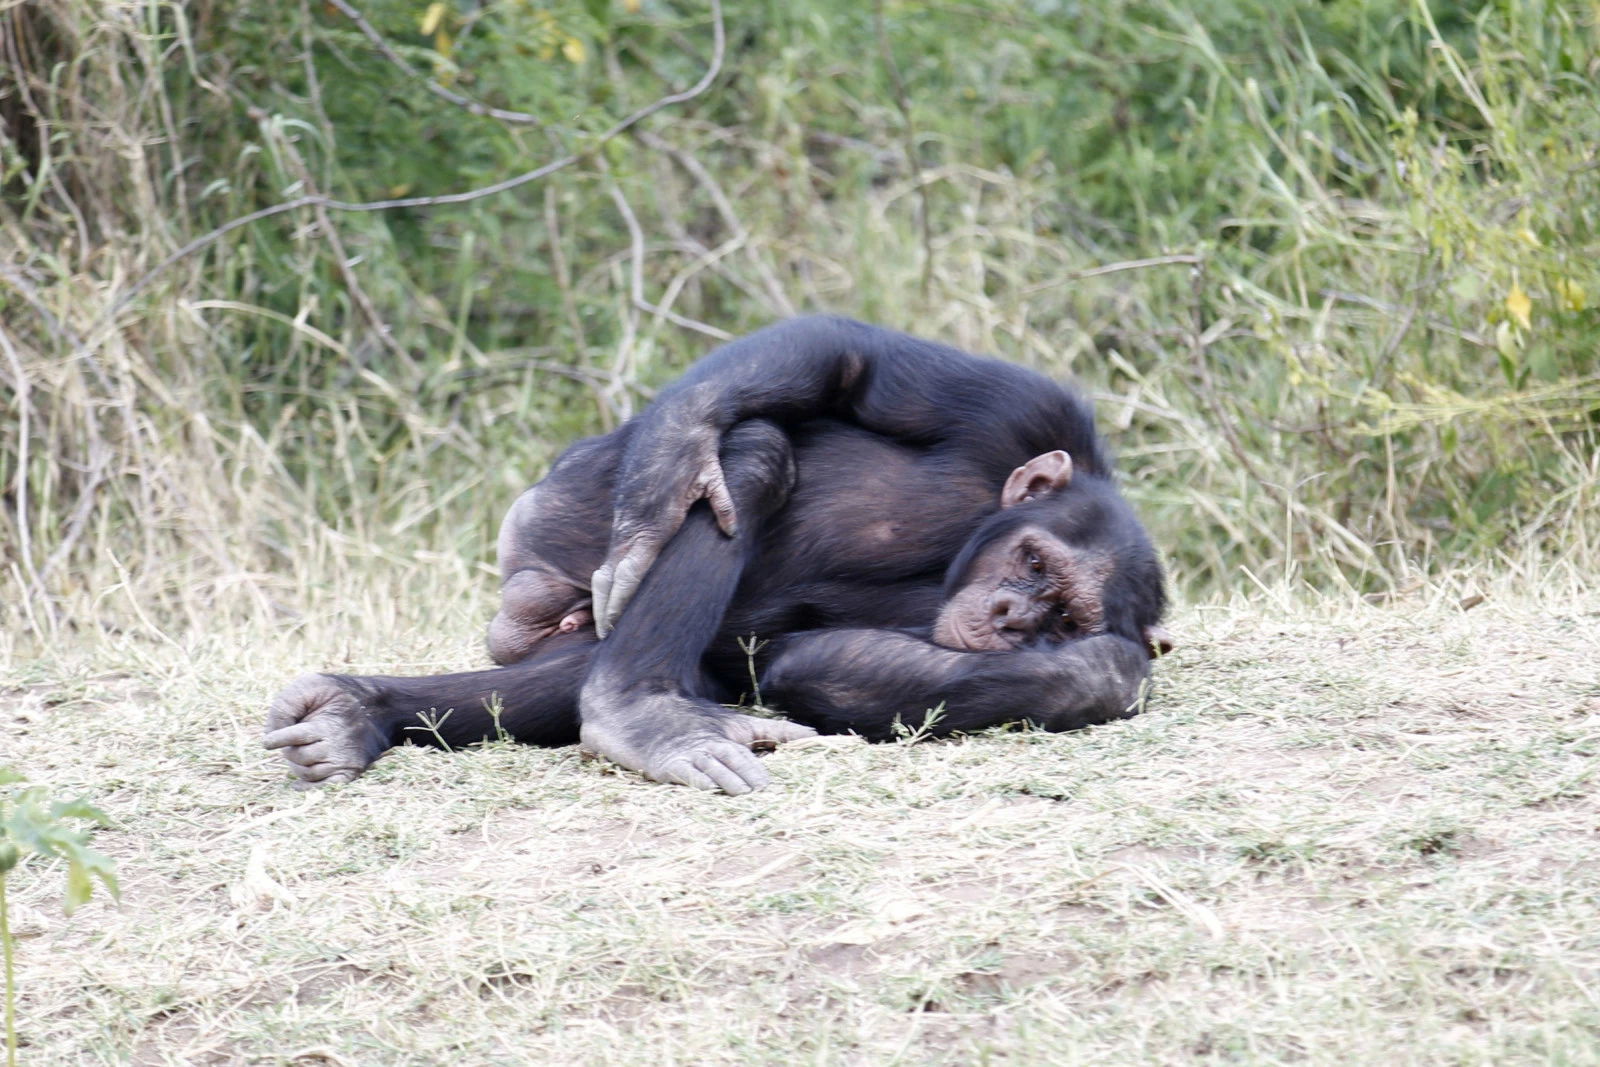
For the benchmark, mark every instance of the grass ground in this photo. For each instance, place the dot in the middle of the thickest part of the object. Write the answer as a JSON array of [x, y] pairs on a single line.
[[1343, 833]]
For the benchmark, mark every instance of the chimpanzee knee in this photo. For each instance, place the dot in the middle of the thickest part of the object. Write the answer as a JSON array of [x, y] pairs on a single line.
[[758, 464]]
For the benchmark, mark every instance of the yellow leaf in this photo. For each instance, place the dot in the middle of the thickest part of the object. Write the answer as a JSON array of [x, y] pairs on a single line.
[[1519, 304], [431, 19], [397, 191], [1505, 339], [1572, 294], [573, 50], [1529, 236], [632, 6], [443, 44]]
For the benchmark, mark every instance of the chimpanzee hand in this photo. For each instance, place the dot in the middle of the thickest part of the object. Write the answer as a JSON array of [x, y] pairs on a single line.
[[875, 682], [323, 730], [670, 463], [669, 737]]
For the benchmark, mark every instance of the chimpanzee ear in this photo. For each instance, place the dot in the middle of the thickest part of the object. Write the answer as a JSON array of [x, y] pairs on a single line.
[[1037, 477]]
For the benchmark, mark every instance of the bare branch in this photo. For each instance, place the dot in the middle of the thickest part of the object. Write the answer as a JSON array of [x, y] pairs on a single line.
[[1112, 268], [913, 160], [25, 289], [100, 456], [1432, 321], [466, 103], [1207, 388], [25, 406], [637, 275], [558, 261], [776, 296], [24, 534], [341, 258], [470, 195]]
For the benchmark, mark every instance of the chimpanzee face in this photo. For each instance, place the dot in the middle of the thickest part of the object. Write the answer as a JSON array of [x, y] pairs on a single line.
[[1025, 586], [1061, 560]]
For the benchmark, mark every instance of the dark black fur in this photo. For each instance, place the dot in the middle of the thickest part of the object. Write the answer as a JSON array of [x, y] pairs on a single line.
[[863, 496]]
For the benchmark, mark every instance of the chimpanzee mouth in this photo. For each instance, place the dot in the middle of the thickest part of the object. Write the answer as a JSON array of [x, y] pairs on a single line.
[[949, 633]]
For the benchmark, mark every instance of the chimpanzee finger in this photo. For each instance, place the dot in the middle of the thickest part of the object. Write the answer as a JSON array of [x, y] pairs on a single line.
[[341, 777], [298, 700], [301, 733], [326, 773], [600, 598], [682, 771], [741, 761], [338, 777], [750, 729], [721, 501], [309, 755], [625, 579], [729, 779], [780, 730]]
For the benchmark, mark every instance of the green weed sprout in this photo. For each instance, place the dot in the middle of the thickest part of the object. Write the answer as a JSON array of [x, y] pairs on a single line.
[[30, 822]]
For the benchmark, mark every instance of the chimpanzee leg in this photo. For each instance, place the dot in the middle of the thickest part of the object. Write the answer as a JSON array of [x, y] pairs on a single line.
[[870, 681], [644, 704], [331, 727], [553, 537]]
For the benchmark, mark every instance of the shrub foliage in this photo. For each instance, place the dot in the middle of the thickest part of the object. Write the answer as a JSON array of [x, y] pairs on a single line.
[[1330, 266]]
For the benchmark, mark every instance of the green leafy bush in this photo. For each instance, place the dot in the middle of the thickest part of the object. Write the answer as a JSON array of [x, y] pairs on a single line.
[[1332, 268], [30, 824]]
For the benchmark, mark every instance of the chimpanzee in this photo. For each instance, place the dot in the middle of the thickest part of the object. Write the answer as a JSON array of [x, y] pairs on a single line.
[[904, 528]]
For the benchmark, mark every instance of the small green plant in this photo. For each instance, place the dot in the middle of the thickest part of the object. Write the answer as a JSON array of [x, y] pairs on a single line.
[[923, 731], [31, 823], [750, 648]]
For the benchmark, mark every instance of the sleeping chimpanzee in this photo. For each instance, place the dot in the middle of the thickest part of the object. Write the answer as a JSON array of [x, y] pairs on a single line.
[[905, 527]]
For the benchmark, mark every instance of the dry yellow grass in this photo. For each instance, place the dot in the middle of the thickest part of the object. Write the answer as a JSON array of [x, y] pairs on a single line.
[[1344, 833]]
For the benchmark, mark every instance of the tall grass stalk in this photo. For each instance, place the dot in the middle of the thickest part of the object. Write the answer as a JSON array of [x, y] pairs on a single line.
[[11, 975], [1331, 270]]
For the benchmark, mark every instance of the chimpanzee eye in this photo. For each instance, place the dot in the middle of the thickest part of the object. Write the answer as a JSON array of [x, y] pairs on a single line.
[[1035, 564]]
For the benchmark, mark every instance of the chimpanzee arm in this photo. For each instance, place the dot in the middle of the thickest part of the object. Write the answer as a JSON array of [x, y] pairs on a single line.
[[647, 703], [331, 727], [890, 383], [867, 681], [885, 381]]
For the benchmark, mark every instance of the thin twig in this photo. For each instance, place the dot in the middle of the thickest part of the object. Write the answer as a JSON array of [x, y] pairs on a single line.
[[558, 260], [470, 195], [25, 289], [24, 402], [913, 159], [100, 456], [730, 218], [672, 219], [341, 258], [22, 66], [1432, 321], [881, 156], [57, 329], [636, 274], [1197, 351], [1111, 268], [24, 535], [466, 103]]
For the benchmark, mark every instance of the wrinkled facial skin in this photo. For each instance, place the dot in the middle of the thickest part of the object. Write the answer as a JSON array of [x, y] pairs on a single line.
[[1026, 587]]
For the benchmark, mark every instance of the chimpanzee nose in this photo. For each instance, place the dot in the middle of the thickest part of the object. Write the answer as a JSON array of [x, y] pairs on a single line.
[[1008, 610]]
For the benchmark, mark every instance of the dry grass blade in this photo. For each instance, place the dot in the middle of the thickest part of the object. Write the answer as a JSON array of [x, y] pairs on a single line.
[[1336, 826]]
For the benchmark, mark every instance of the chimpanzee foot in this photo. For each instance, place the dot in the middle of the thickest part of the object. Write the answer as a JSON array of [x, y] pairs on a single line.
[[323, 731], [671, 738]]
